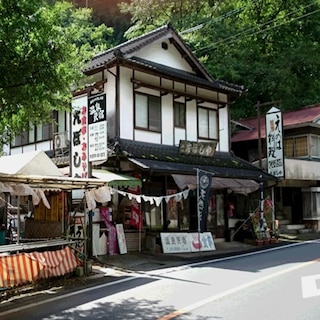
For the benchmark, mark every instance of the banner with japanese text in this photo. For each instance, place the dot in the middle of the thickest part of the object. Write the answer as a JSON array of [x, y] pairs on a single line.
[[204, 186], [97, 125], [136, 216], [79, 138], [275, 152]]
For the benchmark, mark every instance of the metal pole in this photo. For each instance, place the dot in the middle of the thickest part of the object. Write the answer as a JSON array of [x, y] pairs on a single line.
[[259, 134], [261, 204], [85, 237], [18, 225], [273, 207], [198, 211]]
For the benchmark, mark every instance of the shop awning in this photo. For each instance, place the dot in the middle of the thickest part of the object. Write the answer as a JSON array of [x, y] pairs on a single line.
[[29, 163], [227, 172], [116, 180], [240, 186], [162, 159]]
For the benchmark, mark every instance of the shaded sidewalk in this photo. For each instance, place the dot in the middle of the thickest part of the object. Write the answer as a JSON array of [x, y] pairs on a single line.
[[147, 261]]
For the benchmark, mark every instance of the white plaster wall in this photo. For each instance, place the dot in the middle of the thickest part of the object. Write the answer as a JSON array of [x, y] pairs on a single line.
[[109, 89], [191, 125], [126, 105], [224, 128], [44, 145], [16, 150], [167, 119], [170, 57], [179, 134], [145, 136]]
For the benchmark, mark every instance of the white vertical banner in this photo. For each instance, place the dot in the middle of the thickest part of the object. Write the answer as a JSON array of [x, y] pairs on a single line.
[[97, 125], [79, 137], [274, 137], [121, 239]]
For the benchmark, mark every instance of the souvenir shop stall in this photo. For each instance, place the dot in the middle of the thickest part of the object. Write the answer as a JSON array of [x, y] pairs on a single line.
[[39, 245]]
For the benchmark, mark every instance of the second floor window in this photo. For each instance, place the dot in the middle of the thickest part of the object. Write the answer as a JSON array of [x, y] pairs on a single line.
[[207, 123], [179, 114], [315, 146], [296, 146], [147, 112], [42, 132]]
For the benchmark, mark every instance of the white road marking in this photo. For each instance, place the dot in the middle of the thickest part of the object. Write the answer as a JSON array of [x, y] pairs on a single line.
[[159, 272], [223, 294], [309, 286]]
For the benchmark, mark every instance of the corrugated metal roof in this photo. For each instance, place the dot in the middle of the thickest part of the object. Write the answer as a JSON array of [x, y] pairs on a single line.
[[307, 115]]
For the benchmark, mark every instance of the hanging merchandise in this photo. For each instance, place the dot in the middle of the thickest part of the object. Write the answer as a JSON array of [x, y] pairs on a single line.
[[135, 216], [112, 232]]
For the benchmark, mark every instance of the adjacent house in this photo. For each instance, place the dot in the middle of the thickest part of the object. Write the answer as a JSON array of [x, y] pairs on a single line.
[[297, 194], [152, 112]]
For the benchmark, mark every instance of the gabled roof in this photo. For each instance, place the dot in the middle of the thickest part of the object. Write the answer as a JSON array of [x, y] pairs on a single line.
[[127, 51], [309, 115], [166, 159], [177, 74]]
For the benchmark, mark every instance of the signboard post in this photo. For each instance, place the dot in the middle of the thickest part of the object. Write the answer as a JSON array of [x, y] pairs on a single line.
[[274, 136], [97, 123], [79, 159]]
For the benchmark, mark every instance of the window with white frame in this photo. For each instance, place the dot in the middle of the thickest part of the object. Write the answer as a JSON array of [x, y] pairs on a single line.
[[311, 204], [315, 146], [147, 112], [207, 123], [36, 133], [179, 109]]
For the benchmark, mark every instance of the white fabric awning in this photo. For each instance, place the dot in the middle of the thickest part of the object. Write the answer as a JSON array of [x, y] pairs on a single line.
[[29, 163], [240, 186], [116, 180]]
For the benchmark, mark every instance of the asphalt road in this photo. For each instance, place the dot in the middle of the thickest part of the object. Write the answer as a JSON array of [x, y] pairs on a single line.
[[280, 283]]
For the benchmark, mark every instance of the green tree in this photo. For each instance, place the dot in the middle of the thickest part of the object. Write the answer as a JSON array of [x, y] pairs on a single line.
[[44, 48], [269, 46]]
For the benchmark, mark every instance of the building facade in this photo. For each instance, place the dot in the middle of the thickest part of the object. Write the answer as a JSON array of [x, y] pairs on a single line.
[[150, 110], [297, 193]]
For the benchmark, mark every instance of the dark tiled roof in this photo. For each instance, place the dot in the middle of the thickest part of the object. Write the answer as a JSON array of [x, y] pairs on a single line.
[[128, 49], [167, 159], [187, 76]]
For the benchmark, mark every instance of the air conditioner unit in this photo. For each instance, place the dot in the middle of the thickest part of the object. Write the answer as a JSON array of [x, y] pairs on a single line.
[[61, 140]]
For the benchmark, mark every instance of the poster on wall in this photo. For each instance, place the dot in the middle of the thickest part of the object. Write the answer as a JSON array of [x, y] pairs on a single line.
[[79, 158], [97, 126]]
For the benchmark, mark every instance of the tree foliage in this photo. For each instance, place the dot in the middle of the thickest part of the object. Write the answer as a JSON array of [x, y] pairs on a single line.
[[269, 46], [44, 48]]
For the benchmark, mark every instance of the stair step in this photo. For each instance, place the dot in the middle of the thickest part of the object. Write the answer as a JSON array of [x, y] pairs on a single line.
[[293, 226], [305, 230]]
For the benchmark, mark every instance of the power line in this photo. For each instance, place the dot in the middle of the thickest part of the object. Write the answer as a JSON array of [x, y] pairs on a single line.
[[217, 19], [245, 32]]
